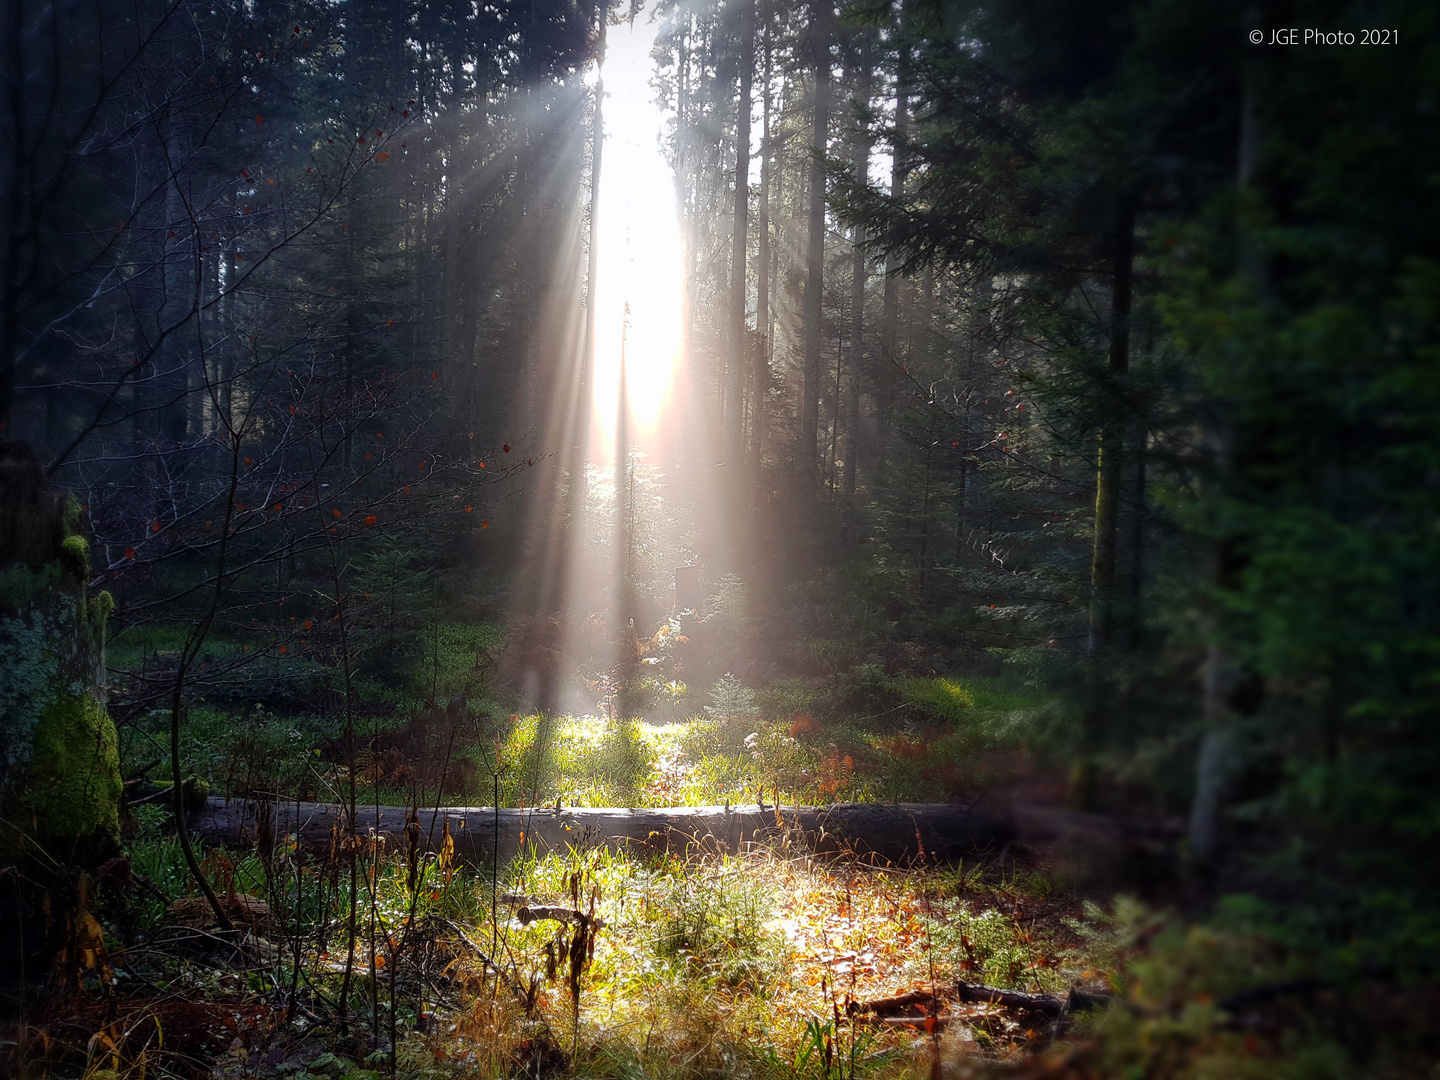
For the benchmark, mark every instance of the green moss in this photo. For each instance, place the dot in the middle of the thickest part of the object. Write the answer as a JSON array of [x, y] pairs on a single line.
[[193, 790], [73, 792], [75, 556], [101, 607]]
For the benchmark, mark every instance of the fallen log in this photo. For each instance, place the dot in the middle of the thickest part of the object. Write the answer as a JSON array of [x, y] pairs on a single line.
[[889, 1006], [901, 834], [1044, 1004]]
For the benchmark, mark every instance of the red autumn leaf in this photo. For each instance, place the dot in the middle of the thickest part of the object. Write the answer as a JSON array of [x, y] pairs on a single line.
[[434, 374], [380, 434], [283, 648], [484, 524], [468, 509], [335, 512], [249, 462], [240, 506], [245, 174], [154, 526], [259, 119], [382, 157], [506, 448], [482, 464], [277, 507], [370, 520], [308, 624], [130, 553]]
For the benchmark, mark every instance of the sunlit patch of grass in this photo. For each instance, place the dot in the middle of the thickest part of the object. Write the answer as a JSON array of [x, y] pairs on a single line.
[[944, 698], [734, 961], [724, 754]]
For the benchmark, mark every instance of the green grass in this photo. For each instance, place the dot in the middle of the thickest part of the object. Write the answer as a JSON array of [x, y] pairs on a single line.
[[856, 736]]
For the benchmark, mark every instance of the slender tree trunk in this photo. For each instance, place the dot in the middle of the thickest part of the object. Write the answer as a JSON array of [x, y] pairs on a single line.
[[739, 235], [889, 359], [762, 271], [1108, 482], [1138, 511], [579, 452], [624, 505], [1112, 437], [860, 161], [687, 170], [17, 162], [815, 247]]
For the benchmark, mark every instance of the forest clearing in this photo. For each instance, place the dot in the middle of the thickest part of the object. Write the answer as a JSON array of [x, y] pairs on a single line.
[[789, 539]]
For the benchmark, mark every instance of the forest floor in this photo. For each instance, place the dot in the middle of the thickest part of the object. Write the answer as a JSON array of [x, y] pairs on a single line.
[[767, 964], [361, 961]]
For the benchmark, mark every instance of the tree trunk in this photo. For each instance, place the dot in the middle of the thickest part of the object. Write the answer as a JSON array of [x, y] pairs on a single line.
[[860, 161], [739, 235], [1112, 436], [815, 249], [900, 834], [890, 317], [579, 450], [1215, 763], [762, 275]]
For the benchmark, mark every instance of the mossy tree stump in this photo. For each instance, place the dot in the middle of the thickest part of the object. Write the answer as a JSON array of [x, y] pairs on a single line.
[[60, 780]]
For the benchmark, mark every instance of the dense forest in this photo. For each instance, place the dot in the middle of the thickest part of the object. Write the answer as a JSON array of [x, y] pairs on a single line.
[[777, 538]]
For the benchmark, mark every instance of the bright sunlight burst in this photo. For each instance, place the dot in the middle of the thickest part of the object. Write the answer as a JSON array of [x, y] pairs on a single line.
[[639, 250]]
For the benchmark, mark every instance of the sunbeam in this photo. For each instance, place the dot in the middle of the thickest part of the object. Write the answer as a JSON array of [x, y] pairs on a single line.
[[639, 253]]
